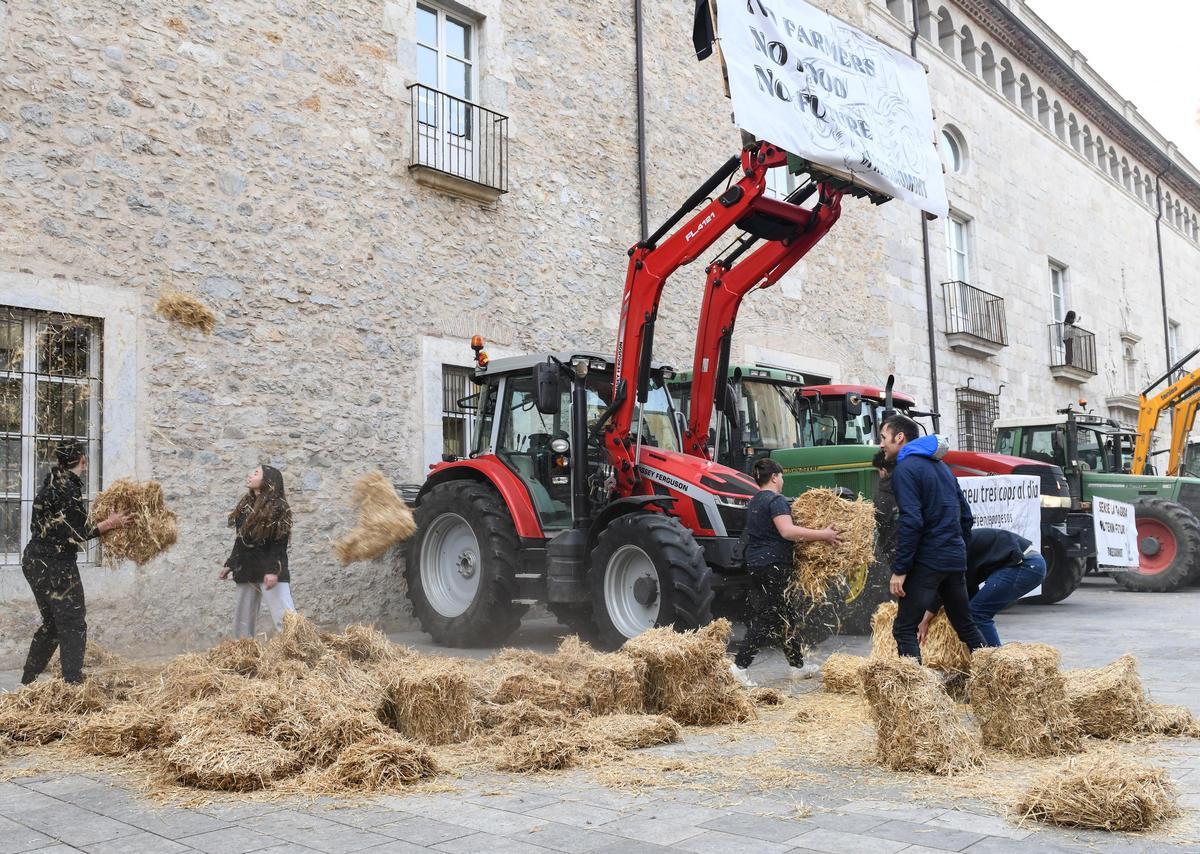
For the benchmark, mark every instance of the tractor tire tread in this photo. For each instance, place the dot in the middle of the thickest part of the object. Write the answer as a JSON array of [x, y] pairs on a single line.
[[1188, 554]]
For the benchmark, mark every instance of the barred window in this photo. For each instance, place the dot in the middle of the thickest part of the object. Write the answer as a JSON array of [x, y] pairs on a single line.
[[977, 413], [456, 416], [49, 393]]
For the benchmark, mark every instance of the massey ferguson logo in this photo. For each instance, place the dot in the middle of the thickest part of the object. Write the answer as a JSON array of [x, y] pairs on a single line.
[[677, 485], [687, 237]]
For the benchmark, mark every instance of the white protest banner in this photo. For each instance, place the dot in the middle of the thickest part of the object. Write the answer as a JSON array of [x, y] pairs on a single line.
[[1009, 501], [827, 92], [1116, 532]]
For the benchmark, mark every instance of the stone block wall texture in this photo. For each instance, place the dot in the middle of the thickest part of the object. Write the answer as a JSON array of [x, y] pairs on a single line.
[[255, 153]]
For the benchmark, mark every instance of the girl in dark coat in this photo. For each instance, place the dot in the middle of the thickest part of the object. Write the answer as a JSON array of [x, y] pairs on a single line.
[[59, 527], [259, 560]]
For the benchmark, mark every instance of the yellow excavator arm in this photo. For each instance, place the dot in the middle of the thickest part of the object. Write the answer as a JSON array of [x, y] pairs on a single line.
[[1183, 396]]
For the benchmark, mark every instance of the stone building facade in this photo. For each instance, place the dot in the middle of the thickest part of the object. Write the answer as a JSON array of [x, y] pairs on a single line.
[[257, 155]]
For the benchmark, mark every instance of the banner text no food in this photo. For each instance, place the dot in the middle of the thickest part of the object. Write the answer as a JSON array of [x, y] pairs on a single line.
[[829, 93]]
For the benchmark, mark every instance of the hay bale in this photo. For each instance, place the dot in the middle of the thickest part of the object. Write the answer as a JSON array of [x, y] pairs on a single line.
[[185, 310], [299, 640], [120, 730], [383, 520], [515, 718], [1171, 720], [537, 688], [365, 644], [1110, 793], [237, 655], [429, 700], [818, 568], [1018, 699], [380, 761], [1109, 701], [338, 730], [218, 759], [916, 725], [542, 750], [687, 675], [942, 649], [766, 697], [47, 710], [631, 732], [151, 529], [842, 673], [251, 706], [610, 683]]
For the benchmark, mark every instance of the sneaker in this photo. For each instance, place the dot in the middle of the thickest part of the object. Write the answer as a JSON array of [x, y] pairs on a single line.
[[742, 675], [806, 671]]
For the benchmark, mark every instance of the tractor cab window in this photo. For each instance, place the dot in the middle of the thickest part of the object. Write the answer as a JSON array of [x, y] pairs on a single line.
[[1006, 442], [524, 446], [1091, 451], [658, 422], [485, 415], [1044, 444], [767, 414], [826, 423]]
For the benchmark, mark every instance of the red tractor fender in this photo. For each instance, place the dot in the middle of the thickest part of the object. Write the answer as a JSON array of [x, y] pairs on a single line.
[[488, 469]]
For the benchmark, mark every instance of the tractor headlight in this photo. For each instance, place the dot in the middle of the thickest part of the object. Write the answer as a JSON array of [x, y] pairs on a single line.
[[1057, 501], [729, 501]]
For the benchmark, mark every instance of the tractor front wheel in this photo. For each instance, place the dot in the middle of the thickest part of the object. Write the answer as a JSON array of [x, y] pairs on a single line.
[[461, 566], [1063, 575], [647, 570], [1168, 546]]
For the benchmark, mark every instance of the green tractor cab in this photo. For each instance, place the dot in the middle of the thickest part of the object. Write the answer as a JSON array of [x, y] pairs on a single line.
[[1095, 454]]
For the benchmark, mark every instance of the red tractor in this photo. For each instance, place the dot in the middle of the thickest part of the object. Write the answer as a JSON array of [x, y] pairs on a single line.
[[576, 492]]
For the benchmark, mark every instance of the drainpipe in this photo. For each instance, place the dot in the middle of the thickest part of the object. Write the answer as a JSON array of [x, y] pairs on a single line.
[[639, 63], [933, 374], [1162, 275]]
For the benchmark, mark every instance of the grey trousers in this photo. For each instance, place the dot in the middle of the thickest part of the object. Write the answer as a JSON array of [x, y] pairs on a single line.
[[249, 600]]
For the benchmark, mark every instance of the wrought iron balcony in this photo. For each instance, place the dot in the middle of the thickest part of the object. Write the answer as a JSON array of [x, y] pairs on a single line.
[[1072, 353], [975, 321], [458, 146]]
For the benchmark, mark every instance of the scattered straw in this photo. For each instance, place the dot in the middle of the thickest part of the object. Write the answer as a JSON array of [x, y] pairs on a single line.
[[1109, 794], [151, 529], [365, 644], [516, 718], [299, 640], [122, 729], [47, 710], [380, 761], [383, 521], [240, 655], [632, 731], [185, 679], [610, 683], [186, 310], [542, 750], [1018, 698], [820, 568], [1109, 701], [842, 673], [214, 758], [1171, 720], [917, 727], [766, 697]]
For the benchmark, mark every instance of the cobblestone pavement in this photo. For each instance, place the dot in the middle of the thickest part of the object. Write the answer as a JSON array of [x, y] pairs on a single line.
[[567, 813]]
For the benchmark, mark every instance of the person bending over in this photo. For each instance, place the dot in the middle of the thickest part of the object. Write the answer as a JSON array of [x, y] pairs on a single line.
[[1001, 568]]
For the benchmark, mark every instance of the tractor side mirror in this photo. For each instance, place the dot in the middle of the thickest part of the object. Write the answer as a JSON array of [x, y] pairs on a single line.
[[547, 392], [854, 405]]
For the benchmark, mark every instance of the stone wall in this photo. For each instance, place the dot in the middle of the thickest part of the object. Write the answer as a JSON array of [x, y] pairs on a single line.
[[256, 153]]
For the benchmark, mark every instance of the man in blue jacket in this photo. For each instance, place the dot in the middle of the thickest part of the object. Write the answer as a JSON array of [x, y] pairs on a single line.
[[931, 538]]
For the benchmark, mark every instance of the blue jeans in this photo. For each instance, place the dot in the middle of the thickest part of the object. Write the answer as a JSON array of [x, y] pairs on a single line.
[[1001, 589]]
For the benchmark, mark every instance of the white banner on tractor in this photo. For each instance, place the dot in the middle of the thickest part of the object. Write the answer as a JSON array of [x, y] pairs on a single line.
[[1009, 501], [1116, 533], [831, 94]]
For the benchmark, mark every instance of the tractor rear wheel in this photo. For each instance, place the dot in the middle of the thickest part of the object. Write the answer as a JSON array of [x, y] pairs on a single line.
[[461, 566], [647, 570], [1168, 546], [1063, 575]]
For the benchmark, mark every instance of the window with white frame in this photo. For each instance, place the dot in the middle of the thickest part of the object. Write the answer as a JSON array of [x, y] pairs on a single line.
[[445, 51], [448, 131], [958, 263], [1173, 353], [1058, 292], [457, 409], [781, 182], [49, 393]]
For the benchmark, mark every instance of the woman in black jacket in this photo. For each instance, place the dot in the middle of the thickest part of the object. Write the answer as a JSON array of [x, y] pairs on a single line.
[[259, 560], [59, 527]]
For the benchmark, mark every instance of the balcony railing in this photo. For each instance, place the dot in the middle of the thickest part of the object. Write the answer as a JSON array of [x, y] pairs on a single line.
[[453, 137], [1072, 349], [975, 313]]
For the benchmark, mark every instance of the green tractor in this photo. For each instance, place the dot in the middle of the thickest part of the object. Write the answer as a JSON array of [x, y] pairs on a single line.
[[1094, 452], [827, 435]]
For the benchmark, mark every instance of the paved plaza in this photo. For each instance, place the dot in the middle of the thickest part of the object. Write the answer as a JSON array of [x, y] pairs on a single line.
[[841, 813]]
